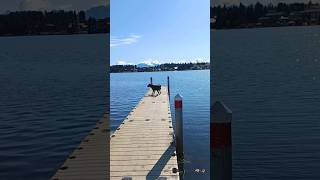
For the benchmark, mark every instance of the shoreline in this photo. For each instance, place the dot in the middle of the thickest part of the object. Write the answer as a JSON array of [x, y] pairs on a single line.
[[239, 28], [58, 34], [158, 71]]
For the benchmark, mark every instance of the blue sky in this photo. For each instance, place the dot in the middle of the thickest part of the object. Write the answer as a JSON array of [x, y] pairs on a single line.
[[160, 31]]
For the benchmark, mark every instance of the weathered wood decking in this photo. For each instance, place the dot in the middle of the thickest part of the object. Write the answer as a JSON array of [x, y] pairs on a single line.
[[90, 160], [143, 145]]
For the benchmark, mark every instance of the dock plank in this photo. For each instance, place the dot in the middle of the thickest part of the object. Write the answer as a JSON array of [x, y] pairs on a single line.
[[143, 146], [90, 160]]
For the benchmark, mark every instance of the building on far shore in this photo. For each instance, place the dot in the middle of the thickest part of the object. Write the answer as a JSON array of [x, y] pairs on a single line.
[[161, 67], [258, 15]]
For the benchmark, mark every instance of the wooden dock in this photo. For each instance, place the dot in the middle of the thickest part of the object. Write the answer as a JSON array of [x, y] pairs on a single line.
[[90, 160], [143, 146]]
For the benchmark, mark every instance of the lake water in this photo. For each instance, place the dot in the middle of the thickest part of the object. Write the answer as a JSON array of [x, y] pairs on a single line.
[[52, 94], [128, 88], [270, 79]]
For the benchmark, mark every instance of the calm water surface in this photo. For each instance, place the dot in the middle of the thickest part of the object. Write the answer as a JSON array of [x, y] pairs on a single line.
[[52, 93], [128, 88], [270, 78]]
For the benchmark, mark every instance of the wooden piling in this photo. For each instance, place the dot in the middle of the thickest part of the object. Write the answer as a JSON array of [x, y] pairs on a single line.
[[168, 85], [220, 142], [179, 130]]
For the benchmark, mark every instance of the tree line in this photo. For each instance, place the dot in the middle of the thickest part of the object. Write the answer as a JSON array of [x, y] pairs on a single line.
[[238, 16], [49, 22], [161, 67]]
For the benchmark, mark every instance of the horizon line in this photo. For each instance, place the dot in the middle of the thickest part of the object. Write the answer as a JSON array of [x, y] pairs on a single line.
[[157, 64]]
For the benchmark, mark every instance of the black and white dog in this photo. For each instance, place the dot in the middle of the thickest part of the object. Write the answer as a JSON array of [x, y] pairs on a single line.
[[155, 88]]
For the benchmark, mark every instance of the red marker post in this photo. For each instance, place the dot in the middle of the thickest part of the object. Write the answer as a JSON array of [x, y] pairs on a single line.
[[179, 129], [220, 142]]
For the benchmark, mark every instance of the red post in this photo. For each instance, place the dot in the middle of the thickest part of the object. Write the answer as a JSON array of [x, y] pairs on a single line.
[[179, 130], [220, 142]]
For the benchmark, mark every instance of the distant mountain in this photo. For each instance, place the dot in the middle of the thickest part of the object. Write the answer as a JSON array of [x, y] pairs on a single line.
[[98, 12], [147, 64]]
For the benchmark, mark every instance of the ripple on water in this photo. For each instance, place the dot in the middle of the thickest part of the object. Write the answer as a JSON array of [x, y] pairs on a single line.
[[48, 102]]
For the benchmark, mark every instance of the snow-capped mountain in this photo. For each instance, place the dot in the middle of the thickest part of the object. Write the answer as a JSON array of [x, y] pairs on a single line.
[[147, 64]]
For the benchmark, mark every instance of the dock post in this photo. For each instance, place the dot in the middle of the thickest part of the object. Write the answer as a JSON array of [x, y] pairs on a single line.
[[179, 130], [150, 80], [220, 141], [168, 82]]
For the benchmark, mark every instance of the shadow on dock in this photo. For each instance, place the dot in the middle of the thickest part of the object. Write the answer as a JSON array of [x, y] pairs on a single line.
[[155, 172]]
